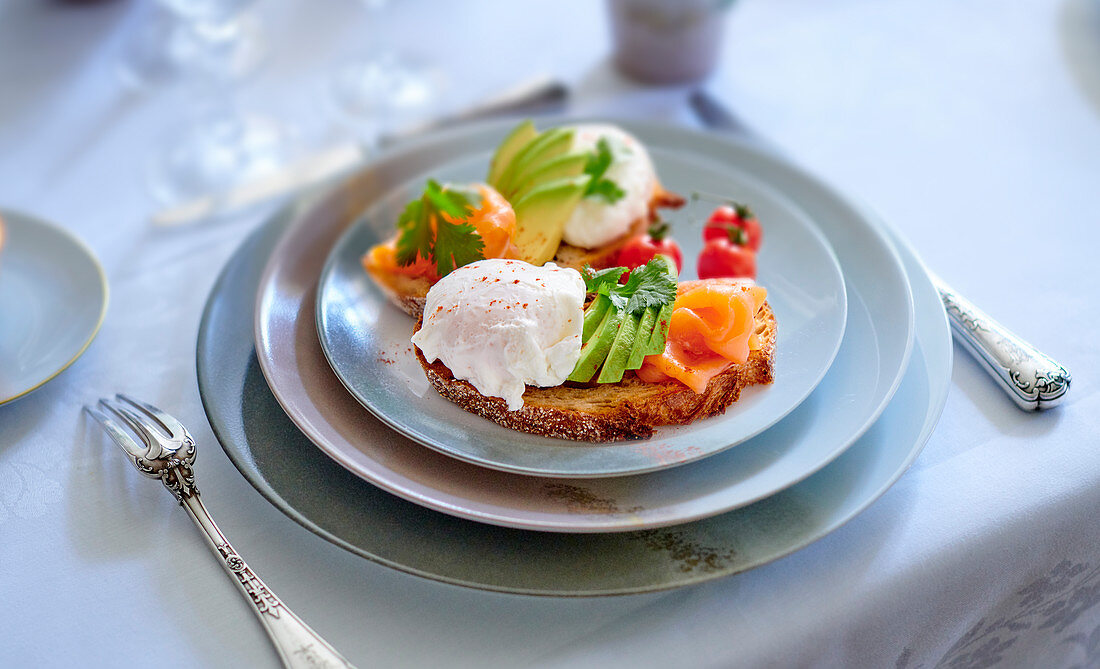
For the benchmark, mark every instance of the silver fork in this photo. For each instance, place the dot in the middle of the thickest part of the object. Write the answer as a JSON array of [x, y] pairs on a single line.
[[166, 452]]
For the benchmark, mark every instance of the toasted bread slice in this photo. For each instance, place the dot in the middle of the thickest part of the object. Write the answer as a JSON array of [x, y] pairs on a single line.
[[629, 409], [408, 293]]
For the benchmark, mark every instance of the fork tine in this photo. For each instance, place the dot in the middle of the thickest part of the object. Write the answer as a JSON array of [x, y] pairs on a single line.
[[122, 413], [156, 445], [171, 425], [117, 434]]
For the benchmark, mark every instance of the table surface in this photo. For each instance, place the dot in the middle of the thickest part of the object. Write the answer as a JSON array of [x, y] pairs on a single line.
[[974, 128]]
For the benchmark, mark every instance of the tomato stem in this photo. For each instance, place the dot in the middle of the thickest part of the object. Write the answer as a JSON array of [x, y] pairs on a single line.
[[658, 230], [737, 235]]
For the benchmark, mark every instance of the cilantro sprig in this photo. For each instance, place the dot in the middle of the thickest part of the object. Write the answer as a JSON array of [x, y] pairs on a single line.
[[650, 286], [596, 167], [600, 282], [434, 227]]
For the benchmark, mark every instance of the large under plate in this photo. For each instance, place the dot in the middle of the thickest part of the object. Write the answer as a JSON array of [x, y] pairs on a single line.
[[324, 497], [858, 386]]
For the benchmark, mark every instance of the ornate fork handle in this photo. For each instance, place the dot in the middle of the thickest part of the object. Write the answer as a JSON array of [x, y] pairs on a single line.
[[167, 452], [298, 645], [1033, 380]]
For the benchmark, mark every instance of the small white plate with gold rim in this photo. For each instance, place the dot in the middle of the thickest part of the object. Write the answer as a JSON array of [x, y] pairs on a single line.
[[53, 296]]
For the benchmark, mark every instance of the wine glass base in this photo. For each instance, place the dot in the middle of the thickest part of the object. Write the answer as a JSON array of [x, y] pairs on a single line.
[[166, 48], [215, 155], [384, 86]]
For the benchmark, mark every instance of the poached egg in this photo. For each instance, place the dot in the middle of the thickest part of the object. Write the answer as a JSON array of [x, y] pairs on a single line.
[[504, 324], [596, 221]]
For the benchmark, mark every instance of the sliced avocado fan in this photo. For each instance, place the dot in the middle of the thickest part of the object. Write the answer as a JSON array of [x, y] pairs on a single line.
[[625, 323], [543, 180]]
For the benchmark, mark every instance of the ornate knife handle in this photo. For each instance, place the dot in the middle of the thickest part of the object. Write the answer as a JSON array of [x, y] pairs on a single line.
[[1033, 380], [298, 645]]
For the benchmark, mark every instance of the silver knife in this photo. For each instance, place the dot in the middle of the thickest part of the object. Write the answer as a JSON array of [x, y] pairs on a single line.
[[1030, 377], [543, 94], [539, 95]]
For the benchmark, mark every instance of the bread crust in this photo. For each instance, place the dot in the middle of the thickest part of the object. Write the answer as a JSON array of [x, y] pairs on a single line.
[[629, 409], [410, 293]]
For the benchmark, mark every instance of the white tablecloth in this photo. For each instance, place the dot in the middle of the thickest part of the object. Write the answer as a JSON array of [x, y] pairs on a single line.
[[972, 127]]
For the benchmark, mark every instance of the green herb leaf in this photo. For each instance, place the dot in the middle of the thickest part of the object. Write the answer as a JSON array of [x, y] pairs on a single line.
[[619, 301], [416, 234], [600, 160], [451, 244], [603, 281], [596, 167], [651, 286], [456, 244], [606, 189], [454, 202]]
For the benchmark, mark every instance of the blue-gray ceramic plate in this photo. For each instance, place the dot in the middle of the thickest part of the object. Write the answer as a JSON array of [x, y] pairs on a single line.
[[299, 479], [366, 339], [857, 387], [53, 296]]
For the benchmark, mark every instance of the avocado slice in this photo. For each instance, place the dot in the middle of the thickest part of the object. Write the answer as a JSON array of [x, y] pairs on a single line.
[[642, 338], [660, 331], [550, 144], [541, 216], [538, 173], [595, 351], [593, 316], [617, 357], [520, 137], [656, 343]]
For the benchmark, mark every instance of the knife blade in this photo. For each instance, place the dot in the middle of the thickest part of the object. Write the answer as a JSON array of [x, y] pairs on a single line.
[[716, 116], [543, 94]]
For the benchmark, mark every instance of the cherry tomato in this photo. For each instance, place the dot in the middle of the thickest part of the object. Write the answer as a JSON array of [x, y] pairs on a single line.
[[736, 217], [722, 258], [639, 250]]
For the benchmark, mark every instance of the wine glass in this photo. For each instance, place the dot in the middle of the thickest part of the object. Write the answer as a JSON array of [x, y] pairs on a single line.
[[375, 86], [202, 49], [176, 38]]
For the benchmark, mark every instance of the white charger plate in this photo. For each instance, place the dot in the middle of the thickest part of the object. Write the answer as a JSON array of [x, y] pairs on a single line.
[[854, 392], [366, 340], [53, 297]]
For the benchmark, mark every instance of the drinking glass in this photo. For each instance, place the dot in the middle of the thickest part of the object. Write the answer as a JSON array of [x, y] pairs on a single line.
[[379, 85], [202, 50]]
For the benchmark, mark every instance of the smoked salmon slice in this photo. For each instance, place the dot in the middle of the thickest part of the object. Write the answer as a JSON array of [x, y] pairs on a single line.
[[713, 326]]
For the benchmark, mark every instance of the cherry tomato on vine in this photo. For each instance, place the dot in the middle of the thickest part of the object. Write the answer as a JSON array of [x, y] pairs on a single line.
[[639, 250], [724, 257], [735, 217]]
